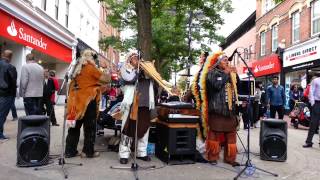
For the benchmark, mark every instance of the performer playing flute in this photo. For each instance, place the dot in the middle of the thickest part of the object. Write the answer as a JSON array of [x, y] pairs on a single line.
[[216, 98], [129, 73], [83, 104]]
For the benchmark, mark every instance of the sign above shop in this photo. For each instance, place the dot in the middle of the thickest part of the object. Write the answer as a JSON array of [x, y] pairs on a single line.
[[266, 66], [20, 32], [302, 53]]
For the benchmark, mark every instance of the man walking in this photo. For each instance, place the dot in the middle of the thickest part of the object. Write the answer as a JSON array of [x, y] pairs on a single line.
[[48, 90], [31, 86], [8, 85], [314, 99], [276, 98]]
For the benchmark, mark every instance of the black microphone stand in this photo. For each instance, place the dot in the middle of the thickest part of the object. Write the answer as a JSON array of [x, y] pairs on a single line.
[[61, 160], [248, 163], [134, 166]]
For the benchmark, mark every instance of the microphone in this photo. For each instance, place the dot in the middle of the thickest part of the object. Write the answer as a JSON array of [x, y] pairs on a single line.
[[234, 52]]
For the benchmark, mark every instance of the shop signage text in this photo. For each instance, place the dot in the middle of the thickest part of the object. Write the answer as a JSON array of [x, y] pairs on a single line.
[[266, 66], [20, 32], [303, 53]]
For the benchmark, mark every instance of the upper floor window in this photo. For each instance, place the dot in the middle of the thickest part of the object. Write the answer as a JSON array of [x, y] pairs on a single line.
[[295, 27], [67, 13], [263, 43], [267, 5], [56, 7], [44, 5], [274, 36], [315, 17]]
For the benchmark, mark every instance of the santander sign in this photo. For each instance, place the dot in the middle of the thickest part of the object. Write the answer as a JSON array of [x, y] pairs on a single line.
[[20, 32], [11, 29], [267, 66]]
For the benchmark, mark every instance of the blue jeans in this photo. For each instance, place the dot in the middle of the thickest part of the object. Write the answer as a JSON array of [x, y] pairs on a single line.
[[32, 105], [14, 110], [5, 105]]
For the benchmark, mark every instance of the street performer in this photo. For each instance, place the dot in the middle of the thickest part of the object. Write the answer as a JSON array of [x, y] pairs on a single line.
[[83, 104], [215, 94], [145, 90]]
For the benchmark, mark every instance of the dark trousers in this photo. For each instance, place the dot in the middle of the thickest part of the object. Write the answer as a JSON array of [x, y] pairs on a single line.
[[89, 127], [5, 105], [32, 105], [48, 109], [315, 118], [14, 110], [278, 109], [256, 112]]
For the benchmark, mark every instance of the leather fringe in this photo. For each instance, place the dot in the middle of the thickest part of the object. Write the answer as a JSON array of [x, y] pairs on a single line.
[[213, 147], [232, 150]]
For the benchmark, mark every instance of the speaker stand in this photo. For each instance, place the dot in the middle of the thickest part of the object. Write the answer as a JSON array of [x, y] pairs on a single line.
[[248, 163], [61, 160]]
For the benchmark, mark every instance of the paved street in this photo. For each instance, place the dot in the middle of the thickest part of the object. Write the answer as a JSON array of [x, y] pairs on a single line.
[[301, 163]]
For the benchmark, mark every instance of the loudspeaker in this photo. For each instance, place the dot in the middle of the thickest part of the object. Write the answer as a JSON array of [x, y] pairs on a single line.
[[273, 140], [33, 141]]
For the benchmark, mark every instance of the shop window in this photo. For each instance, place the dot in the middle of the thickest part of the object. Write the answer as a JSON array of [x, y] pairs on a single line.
[[67, 13], [295, 27], [315, 17], [44, 5], [263, 43], [274, 36], [56, 6]]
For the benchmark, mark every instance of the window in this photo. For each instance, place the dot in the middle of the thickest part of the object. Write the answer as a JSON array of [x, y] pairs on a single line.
[[315, 17], [263, 43], [274, 36], [250, 51], [267, 5], [56, 6], [246, 53], [44, 5], [67, 13], [295, 27]]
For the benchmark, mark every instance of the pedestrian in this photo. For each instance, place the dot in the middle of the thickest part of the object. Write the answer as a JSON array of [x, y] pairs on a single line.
[[8, 85], [257, 104], [52, 75], [314, 99], [14, 111], [276, 98], [295, 96], [31, 85], [48, 90]]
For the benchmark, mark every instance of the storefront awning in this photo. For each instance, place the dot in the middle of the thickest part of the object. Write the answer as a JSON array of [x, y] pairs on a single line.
[[18, 31]]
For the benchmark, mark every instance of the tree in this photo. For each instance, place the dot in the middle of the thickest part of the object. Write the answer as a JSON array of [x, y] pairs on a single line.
[[162, 27]]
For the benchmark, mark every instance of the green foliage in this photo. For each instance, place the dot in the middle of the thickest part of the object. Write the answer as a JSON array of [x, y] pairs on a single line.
[[170, 19]]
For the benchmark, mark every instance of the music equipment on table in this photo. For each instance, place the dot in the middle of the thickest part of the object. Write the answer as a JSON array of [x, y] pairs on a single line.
[[176, 133], [273, 140], [243, 89], [33, 141]]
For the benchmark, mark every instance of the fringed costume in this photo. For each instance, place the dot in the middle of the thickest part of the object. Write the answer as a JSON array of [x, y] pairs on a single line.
[[83, 103], [216, 96]]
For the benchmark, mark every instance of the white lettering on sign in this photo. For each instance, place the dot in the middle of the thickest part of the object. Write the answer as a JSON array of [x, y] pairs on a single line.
[[11, 29], [259, 68]]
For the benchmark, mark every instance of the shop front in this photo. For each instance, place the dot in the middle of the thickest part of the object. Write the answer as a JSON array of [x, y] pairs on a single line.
[[22, 31], [266, 68], [300, 63]]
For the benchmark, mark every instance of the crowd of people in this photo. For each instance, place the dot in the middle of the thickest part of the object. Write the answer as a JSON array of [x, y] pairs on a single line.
[[37, 87]]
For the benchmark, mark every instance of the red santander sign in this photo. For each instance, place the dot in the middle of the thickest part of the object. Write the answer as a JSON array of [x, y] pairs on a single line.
[[18, 31], [266, 66]]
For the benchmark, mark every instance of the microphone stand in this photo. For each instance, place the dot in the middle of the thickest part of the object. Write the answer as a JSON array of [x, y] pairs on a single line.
[[61, 159], [135, 166], [248, 163]]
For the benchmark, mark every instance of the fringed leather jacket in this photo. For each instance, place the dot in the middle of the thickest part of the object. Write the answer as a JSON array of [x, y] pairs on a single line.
[[216, 93]]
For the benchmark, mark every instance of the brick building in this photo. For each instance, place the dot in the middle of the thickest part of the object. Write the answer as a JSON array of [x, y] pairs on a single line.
[[105, 30], [291, 30]]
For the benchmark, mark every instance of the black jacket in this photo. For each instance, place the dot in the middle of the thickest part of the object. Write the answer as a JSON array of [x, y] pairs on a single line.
[[8, 79], [48, 89]]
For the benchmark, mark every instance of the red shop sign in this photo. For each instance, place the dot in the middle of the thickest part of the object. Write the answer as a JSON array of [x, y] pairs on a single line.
[[266, 66], [20, 32]]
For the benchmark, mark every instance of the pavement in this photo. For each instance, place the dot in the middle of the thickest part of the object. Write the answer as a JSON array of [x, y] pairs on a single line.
[[301, 163]]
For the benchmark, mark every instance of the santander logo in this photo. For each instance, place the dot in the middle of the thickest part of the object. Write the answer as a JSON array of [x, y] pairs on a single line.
[[12, 31], [259, 68]]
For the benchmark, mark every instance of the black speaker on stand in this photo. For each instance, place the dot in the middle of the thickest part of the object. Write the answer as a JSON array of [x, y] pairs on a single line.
[[33, 141], [273, 140]]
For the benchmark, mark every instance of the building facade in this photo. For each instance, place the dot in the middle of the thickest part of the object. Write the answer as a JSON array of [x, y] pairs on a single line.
[[290, 29]]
